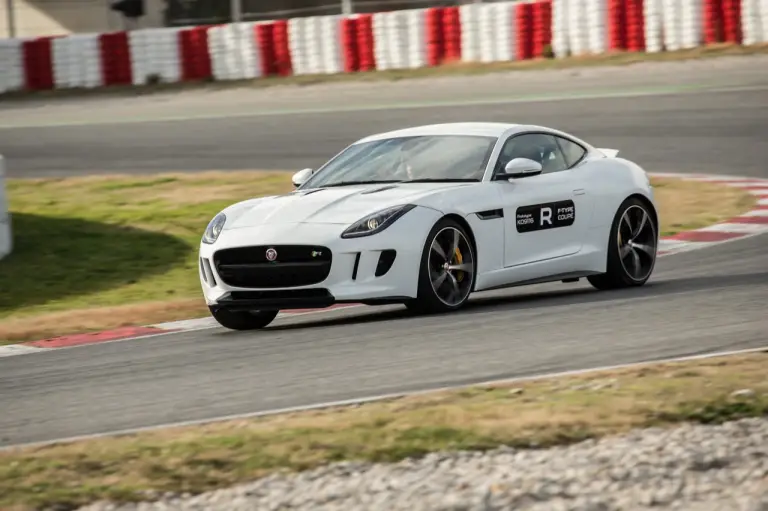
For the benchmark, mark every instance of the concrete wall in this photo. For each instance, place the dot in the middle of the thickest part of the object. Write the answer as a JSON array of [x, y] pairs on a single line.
[[36, 18]]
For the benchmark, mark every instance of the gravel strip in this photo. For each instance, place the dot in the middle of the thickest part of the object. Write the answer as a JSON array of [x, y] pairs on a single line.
[[697, 468]]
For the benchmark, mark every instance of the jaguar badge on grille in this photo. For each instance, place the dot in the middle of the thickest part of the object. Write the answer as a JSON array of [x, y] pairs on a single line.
[[271, 254]]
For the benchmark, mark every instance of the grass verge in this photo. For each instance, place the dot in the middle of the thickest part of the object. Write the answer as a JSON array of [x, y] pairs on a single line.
[[103, 252], [455, 69], [538, 413]]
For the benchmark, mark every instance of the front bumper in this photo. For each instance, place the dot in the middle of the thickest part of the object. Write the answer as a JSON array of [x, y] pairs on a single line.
[[354, 264]]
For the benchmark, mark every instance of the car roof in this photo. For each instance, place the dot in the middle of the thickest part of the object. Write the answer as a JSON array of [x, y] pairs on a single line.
[[488, 129]]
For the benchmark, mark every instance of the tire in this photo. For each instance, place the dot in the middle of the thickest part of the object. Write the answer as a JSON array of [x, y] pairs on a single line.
[[460, 278], [629, 234], [246, 320]]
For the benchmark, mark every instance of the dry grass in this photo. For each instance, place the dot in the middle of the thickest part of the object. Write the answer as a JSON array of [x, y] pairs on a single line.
[[522, 414], [688, 205], [452, 69], [129, 257]]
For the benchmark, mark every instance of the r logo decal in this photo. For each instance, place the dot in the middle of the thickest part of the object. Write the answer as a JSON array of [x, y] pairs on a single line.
[[546, 216]]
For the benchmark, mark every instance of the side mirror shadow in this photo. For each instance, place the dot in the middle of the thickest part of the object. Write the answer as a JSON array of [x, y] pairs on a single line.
[[301, 177], [520, 167]]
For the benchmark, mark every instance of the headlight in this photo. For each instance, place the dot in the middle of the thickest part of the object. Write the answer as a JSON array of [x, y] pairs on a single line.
[[214, 228], [376, 222]]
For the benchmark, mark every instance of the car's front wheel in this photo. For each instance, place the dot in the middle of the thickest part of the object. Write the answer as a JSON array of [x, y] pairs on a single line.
[[631, 248], [447, 269], [243, 320]]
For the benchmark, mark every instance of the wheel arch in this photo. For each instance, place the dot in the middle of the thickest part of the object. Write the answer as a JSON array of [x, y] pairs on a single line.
[[647, 202], [468, 228]]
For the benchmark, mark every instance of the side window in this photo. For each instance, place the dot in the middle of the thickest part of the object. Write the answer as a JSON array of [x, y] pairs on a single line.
[[534, 146], [571, 151]]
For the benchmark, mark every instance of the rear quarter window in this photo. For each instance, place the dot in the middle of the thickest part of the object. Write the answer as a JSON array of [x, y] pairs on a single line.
[[572, 152]]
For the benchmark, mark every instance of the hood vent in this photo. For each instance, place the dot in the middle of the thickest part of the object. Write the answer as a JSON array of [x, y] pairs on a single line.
[[389, 187], [302, 193]]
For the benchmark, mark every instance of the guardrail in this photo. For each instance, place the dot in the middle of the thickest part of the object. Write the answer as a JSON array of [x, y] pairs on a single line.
[[477, 32], [6, 238]]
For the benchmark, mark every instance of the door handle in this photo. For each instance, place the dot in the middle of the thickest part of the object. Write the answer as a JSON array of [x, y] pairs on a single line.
[[579, 191]]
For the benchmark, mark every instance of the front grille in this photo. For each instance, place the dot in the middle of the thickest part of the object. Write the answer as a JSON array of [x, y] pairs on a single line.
[[295, 265]]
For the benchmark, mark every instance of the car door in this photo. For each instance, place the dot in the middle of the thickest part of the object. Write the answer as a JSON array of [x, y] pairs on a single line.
[[546, 215]]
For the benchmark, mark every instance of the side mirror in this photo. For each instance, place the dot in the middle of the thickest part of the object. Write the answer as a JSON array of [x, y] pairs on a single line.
[[520, 167], [301, 177]]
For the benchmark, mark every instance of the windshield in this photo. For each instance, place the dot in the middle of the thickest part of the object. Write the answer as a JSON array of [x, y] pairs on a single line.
[[428, 158]]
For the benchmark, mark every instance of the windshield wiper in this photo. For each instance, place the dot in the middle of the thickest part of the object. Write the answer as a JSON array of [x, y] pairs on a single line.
[[348, 183], [440, 180]]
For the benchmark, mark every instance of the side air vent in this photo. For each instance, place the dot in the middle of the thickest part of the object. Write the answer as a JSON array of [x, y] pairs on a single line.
[[490, 214], [386, 260], [357, 264], [205, 269]]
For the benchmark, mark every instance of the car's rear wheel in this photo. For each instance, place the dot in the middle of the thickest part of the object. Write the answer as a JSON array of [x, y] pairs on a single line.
[[631, 248], [243, 320], [447, 269]]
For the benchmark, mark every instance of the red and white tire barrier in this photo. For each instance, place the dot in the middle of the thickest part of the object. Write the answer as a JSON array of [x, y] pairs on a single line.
[[409, 39], [157, 53], [81, 61], [11, 65], [752, 223]]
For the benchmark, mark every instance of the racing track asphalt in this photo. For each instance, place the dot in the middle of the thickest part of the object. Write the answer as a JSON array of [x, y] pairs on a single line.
[[704, 132], [706, 300]]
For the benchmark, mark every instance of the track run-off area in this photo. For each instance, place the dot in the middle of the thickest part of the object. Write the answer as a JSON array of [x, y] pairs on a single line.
[[697, 117]]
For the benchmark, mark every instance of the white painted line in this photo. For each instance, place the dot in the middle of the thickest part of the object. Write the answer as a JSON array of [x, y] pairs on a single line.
[[745, 184], [692, 245], [735, 228], [757, 212], [686, 175], [665, 244], [381, 397], [762, 202], [759, 193], [18, 349], [187, 324], [669, 247], [733, 181]]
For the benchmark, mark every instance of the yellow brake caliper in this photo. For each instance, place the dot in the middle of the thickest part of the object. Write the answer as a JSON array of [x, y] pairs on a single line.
[[459, 260]]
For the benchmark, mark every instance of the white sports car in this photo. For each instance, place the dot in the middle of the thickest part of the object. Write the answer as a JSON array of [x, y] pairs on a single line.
[[425, 216]]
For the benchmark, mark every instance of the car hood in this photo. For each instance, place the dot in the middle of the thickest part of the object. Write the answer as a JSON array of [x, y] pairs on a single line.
[[335, 205]]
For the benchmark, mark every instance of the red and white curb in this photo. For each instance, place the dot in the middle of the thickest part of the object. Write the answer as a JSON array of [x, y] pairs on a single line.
[[752, 223], [138, 332]]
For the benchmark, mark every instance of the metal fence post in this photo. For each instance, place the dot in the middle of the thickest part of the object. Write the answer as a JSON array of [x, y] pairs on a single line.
[[237, 10], [11, 18], [346, 7], [6, 234]]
